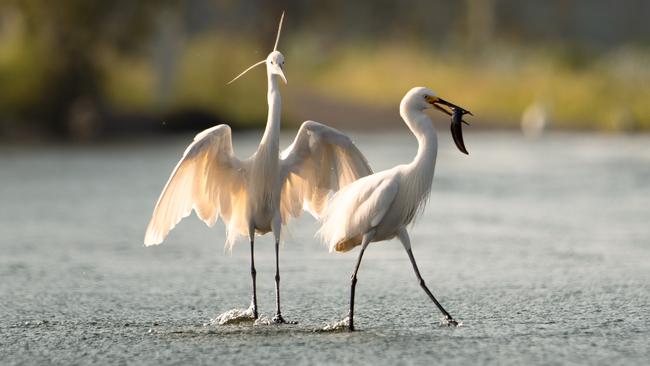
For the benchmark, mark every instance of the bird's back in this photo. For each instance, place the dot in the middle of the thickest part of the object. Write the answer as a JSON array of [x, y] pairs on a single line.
[[357, 208]]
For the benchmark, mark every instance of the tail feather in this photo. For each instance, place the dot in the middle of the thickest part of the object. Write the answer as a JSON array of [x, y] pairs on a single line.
[[348, 244]]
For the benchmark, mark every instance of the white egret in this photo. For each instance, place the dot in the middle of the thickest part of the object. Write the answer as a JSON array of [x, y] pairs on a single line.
[[257, 195], [380, 206]]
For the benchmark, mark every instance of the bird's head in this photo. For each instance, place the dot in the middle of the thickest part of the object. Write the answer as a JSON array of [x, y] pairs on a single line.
[[421, 98], [275, 64], [274, 61]]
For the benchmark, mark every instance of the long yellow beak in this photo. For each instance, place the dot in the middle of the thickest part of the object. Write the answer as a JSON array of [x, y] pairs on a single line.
[[438, 102]]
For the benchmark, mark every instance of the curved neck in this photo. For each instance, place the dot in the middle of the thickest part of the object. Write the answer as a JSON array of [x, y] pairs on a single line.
[[419, 173], [271, 136], [422, 127]]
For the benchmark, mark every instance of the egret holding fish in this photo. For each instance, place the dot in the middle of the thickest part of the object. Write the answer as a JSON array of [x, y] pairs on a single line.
[[380, 206], [259, 194]]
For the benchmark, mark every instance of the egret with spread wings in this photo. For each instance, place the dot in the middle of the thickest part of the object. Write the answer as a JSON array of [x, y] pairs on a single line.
[[259, 194]]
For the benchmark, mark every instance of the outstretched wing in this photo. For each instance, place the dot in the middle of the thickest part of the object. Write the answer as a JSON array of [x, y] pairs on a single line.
[[320, 160], [208, 179]]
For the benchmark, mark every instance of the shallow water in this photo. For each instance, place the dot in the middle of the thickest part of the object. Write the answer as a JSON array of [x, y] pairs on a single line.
[[541, 248]]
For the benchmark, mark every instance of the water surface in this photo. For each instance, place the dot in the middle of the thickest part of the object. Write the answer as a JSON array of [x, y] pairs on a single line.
[[541, 248]]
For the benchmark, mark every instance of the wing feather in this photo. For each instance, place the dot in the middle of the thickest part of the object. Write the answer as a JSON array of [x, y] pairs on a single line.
[[321, 160], [207, 178]]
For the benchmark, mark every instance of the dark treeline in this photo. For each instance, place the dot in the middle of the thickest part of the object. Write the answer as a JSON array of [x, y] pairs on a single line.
[[62, 43]]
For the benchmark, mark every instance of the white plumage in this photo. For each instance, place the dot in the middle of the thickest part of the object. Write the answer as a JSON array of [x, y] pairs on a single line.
[[259, 194], [380, 206], [208, 179], [213, 182], [321, 160]]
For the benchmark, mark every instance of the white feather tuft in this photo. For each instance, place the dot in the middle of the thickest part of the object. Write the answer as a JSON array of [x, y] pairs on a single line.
[[245, 71], [277, 38]]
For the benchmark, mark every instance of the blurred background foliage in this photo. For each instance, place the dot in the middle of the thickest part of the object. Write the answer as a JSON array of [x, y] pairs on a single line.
[[83, 70]]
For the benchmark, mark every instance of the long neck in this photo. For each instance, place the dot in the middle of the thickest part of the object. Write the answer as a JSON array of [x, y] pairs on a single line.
[[422, 127], [271, 138], [422, 167], [266, 162]]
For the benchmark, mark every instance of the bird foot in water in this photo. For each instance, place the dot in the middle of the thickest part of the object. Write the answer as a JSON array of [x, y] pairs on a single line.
[[278, 319], [448, 321]]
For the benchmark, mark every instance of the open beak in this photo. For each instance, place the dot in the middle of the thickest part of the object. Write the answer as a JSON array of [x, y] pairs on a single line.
[[278, 70], [457, 114]]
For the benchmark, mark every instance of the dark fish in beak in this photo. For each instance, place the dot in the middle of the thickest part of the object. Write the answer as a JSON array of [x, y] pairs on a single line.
[[456, 114], [457, 128]]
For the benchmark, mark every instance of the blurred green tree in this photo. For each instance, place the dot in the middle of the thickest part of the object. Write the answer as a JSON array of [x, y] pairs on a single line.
[[72, 36]]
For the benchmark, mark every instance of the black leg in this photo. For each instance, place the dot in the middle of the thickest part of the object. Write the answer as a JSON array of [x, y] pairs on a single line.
[[353, 285], [278, 314], [426, 289], [253, 275]]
